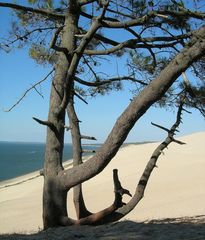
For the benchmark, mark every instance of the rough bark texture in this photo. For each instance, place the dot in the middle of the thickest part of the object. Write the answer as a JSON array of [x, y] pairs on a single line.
[[54, 196]]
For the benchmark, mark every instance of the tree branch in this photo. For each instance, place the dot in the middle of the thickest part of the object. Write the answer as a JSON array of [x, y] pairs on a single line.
[[137, 107], [139, 192], [77, 95], [138, 43], [98, 218], [161, 127], [29, 33], [183, 12], [77, 55], [54, 39], [43, 12], [109, 81], [46, 123], [28, 90]]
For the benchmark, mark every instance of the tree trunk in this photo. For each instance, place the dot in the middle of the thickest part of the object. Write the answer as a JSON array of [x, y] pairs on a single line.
[[54, 203], [81, 210], [54, 194]]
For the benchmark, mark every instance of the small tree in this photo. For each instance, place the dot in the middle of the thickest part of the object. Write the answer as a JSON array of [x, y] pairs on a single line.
[[162, 39]]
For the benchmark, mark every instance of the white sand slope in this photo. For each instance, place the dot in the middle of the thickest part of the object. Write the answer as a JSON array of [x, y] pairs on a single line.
[[176, 188]]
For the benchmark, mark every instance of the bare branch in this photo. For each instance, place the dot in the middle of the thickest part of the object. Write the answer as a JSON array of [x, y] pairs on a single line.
[[163, 128], [54, 39], [28, 90], [39, 93], [105, 40], [43, 12], [46, 123], [179, 142], [91, 69], [139, 192], [77, 95], [29, 33]]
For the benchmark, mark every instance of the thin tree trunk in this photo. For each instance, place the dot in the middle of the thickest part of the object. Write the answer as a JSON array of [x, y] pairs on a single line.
[[81, 210]]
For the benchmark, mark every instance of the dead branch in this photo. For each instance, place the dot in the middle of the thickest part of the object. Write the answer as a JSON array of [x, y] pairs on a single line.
[[161, 127], [46, 123], [77, 95], [139, 193], [98, 218], [91, 69], [28, 90]]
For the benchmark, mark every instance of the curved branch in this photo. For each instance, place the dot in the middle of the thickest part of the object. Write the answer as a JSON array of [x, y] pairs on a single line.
[[139, 192], [43, 12], [138, 106], [139, 43], [111, 80], [99, 217], [146, 18]]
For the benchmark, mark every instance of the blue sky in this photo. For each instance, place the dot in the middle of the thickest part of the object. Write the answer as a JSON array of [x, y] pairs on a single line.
[[19, 72]]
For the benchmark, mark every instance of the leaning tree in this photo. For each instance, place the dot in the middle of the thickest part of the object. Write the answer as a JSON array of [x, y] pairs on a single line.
[[160, 40]]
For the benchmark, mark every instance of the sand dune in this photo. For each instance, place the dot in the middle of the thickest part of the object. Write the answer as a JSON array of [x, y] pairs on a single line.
[[176, 187]]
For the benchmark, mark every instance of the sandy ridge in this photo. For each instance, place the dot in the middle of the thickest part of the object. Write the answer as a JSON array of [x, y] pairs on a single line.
[[176, 187]]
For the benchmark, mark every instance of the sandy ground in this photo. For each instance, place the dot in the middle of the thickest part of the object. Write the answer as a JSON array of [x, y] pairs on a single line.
[[176, 189]]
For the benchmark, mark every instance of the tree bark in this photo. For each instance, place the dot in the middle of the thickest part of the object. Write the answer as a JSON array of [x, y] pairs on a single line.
[[54, 194], [81, 210]]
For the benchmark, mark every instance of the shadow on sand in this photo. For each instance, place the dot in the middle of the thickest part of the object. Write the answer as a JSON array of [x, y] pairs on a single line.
[[189, 228]]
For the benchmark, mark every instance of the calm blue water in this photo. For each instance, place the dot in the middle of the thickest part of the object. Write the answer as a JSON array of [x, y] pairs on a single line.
[[17, 158]]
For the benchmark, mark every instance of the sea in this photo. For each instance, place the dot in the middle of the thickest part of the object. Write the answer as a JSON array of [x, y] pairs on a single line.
[[19, 158]]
